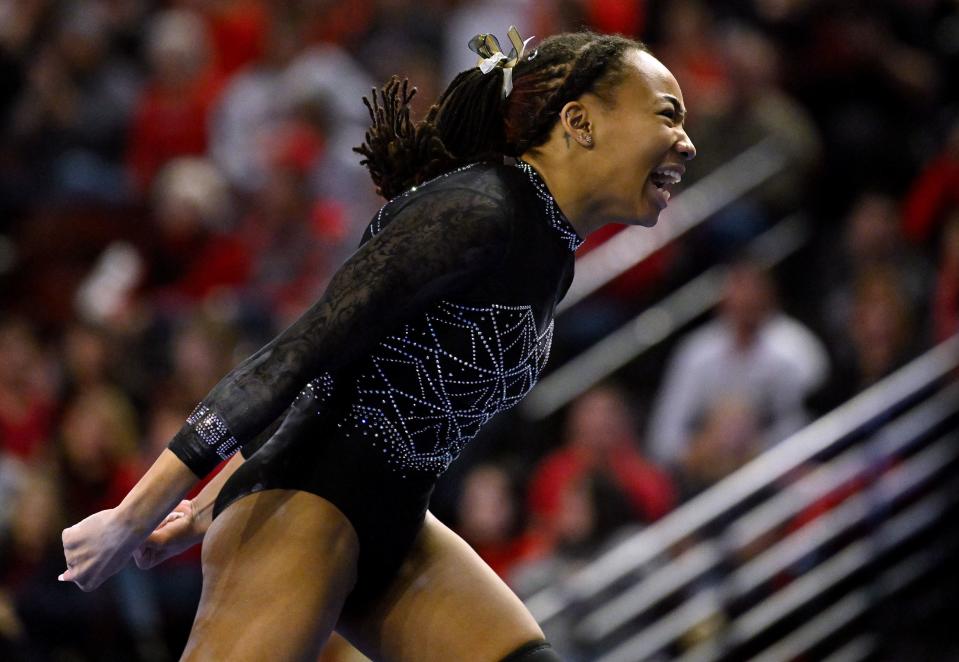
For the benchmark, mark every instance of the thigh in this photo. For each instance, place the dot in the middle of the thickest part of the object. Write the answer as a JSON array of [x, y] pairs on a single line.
[[444, 604], [277, 567]]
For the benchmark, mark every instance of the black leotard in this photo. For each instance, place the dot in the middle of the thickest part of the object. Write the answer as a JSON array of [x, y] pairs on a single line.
[[442, 318]]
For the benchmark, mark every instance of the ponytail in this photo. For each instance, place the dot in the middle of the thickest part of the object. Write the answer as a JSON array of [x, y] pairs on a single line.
[[472, 122]]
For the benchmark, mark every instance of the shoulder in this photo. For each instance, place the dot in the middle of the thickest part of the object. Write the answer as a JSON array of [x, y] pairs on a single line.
[[474, 181], [475, 194]]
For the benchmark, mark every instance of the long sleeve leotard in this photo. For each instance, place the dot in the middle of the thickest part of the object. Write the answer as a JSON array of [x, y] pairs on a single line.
[[440, 319]]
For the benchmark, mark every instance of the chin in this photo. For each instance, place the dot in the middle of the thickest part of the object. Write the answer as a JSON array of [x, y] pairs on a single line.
[[646, 216], [648, 220]]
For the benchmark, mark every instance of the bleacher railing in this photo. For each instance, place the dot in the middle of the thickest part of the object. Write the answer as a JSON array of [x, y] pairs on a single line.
[[724, 185], [691, 207], [828, 518], [655, 324]]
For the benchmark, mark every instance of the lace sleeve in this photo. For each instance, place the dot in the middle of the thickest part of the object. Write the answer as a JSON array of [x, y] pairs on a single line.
[[434, 246]]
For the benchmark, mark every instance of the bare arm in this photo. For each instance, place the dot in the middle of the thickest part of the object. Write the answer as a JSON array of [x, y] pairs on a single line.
[[429, 249], [97, 547], [187, 524]]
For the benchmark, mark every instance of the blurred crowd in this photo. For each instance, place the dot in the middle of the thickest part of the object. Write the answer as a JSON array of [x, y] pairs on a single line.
[[177, 183]]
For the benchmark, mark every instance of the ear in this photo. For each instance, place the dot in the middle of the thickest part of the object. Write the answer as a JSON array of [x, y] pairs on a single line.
[[574, 117]]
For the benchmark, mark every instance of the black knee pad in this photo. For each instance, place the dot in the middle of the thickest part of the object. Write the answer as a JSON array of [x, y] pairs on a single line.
[[534, 651]]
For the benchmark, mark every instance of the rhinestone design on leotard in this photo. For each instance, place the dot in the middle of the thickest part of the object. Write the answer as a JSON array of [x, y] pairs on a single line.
[[317, 391], [557, 219], [423, 429], [467, 363], [212, 429]]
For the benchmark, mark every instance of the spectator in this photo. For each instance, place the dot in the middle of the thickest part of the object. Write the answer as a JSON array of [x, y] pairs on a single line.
[[201, 352], [237, 32], [728, 437], [26, 396], [688, 47], [880, 339], [71, 119], [882, 331], [326, 85], [96, 452], [753, 108], [600, 440], [251, 108], [490, 518], [752, 352], [195, 255], [872, 240], [593, 515], [864, 83], [294, 239], [50, 621], [170, 119], [85, 357]]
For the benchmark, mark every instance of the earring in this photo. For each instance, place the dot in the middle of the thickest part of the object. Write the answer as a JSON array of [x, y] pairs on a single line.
[[588, 139]]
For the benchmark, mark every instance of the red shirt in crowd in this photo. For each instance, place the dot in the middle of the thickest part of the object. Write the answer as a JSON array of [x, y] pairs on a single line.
[[647, 487]]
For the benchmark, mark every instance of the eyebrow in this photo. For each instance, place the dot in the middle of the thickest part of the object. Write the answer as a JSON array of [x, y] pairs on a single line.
[[680, 111]]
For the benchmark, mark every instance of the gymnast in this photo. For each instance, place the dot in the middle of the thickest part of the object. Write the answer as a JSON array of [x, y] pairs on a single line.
[[439, 320]]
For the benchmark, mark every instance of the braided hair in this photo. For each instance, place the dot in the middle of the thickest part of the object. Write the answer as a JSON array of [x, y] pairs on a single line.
[[472, 122]]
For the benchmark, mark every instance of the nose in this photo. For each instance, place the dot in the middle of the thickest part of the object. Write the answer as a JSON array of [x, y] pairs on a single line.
[[685, 146]]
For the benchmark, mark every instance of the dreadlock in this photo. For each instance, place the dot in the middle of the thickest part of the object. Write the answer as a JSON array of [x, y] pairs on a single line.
[[472, 122]]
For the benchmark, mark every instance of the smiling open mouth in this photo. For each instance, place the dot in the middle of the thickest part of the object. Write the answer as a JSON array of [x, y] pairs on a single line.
[[665, 176], [662, 178]]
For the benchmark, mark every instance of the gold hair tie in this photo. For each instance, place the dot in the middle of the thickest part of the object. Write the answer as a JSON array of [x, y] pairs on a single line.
[[491, 55]]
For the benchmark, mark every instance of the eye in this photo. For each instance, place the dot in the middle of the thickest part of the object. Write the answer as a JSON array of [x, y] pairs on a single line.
[[670, 113]]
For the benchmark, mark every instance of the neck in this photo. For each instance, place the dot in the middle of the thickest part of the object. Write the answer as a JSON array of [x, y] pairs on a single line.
[[569, 189]]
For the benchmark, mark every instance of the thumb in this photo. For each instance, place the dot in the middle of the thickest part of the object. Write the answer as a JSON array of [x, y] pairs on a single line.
[[67, 576], [159, 538], [172, 517]]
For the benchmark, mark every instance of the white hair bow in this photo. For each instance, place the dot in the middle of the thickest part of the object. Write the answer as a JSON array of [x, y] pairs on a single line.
[[491, 55]]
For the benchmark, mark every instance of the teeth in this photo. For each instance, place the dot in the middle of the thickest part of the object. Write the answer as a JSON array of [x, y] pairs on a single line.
[[670, 175]]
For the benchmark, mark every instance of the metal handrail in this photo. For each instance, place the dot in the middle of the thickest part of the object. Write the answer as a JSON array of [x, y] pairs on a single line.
[[762, 472], [917, 517], [890, 440], [761, 616], [620, 610], [655, 324], [688, 209]]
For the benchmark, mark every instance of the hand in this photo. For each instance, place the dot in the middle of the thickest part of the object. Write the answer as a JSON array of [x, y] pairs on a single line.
[[97, 548], [179, 531]]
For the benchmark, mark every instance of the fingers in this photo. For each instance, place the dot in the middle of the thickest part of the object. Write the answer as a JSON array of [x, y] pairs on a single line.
[[95, 549], [154, 549], [149, 553], [172, 517], [73, 575], [70, 573]]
